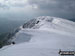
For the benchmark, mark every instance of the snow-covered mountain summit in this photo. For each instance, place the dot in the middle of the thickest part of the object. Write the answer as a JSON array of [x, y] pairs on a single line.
[[42, 36], [44, 20], [47, 22]]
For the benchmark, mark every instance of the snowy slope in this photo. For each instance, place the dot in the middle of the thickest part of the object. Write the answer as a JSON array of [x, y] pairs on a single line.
[[52, 24], [43, 36]]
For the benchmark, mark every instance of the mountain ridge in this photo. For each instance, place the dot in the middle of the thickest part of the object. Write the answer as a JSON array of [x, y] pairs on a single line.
[[47, 23], [41, 37]]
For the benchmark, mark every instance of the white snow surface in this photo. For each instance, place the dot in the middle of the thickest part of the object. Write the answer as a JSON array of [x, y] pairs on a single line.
[[43, 39]]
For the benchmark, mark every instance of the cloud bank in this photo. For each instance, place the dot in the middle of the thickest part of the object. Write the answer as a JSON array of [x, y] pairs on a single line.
[[59, 8]]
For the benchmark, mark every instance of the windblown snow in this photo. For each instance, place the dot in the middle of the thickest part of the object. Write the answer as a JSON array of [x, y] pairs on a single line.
[[42, 36]]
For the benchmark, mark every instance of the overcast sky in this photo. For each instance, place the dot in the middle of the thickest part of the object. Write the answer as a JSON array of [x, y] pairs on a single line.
[[21, 9]]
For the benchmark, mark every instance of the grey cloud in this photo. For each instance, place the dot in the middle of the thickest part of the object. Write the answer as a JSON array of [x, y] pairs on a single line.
[[58, 8], [63, 8], [46, 4], [4, 6], [54, 4], [13, 3]]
